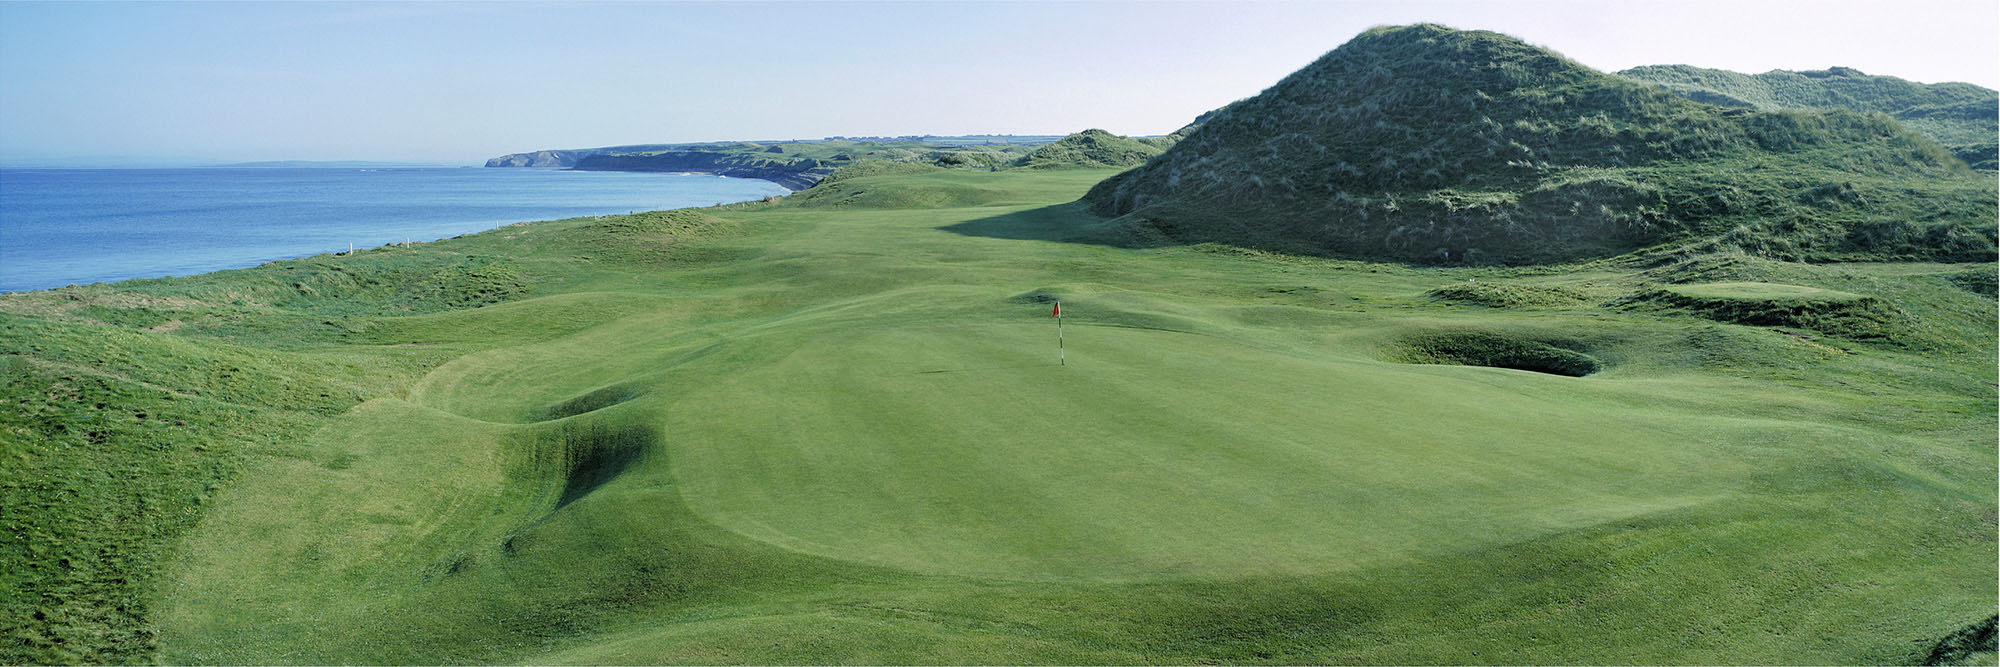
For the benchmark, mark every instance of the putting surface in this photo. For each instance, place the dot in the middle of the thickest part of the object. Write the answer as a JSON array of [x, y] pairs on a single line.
[[965, 449]]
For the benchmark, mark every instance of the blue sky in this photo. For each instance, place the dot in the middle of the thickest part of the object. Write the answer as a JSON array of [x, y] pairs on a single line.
[[461, 81]]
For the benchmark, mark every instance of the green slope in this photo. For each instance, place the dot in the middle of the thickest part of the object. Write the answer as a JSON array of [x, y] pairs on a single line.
[[1960, 116], [814, 433], [1092, 148], [1423, 143]]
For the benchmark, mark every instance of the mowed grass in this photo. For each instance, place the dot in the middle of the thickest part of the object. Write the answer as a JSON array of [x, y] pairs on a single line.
[[964, 449], [839, 434]]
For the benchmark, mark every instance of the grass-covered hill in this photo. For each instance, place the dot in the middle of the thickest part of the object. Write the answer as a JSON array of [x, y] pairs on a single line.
[[832, 429], [1093, 148], [1424, 143], [1962, 117]]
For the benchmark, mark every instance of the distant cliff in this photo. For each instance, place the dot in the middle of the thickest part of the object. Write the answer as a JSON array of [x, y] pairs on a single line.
[[562, 159], [795, 164], [793, 173]]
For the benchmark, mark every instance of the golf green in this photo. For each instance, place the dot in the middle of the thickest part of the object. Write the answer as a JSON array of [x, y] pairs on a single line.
[[793, 433], [965, 449]]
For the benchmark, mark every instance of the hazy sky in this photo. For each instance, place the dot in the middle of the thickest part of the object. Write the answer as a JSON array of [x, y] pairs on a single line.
[[460, 82]]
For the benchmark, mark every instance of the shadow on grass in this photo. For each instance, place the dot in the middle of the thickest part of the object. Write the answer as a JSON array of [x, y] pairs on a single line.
[[589, 455], [1072, 222], [981, 369], [1062, 223]]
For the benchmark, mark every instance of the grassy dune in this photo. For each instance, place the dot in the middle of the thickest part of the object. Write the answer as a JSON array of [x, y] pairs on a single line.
[[1425, 144], [833, 430]]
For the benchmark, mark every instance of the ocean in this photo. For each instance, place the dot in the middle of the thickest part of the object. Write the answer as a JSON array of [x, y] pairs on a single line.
[[64, 226]]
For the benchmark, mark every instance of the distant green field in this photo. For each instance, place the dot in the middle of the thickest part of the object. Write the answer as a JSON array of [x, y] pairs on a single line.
[[833, 430]]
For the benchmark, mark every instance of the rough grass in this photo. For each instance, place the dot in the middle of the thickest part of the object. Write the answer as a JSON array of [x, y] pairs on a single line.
[[1497, 350], [1827, 311], [1977, 282], [894, 186], [1959, 116], [1970, 645], [1431, 145], [1510, 295], [680, 221], [1091, 148], [839, 435]]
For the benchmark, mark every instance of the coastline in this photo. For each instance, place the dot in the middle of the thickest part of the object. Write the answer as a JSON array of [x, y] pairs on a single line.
[[60, 239], [790, 182], [791, 174]]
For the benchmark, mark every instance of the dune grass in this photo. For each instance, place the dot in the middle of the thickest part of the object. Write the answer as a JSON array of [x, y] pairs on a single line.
[[1752, 291], [1426, 144], [796, 433], [1959, 116]]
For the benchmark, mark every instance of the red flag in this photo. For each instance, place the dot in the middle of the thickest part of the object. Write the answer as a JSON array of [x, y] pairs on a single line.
[[1058, 311]]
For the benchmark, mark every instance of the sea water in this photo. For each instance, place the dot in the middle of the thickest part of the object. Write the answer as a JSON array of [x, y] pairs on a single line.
[[64, 226]]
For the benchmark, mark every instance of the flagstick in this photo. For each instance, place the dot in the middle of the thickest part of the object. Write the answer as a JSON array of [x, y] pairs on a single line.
[[1062, 358]]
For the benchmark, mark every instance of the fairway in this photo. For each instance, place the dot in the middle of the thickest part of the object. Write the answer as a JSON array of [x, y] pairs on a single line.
[[840, 434]]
